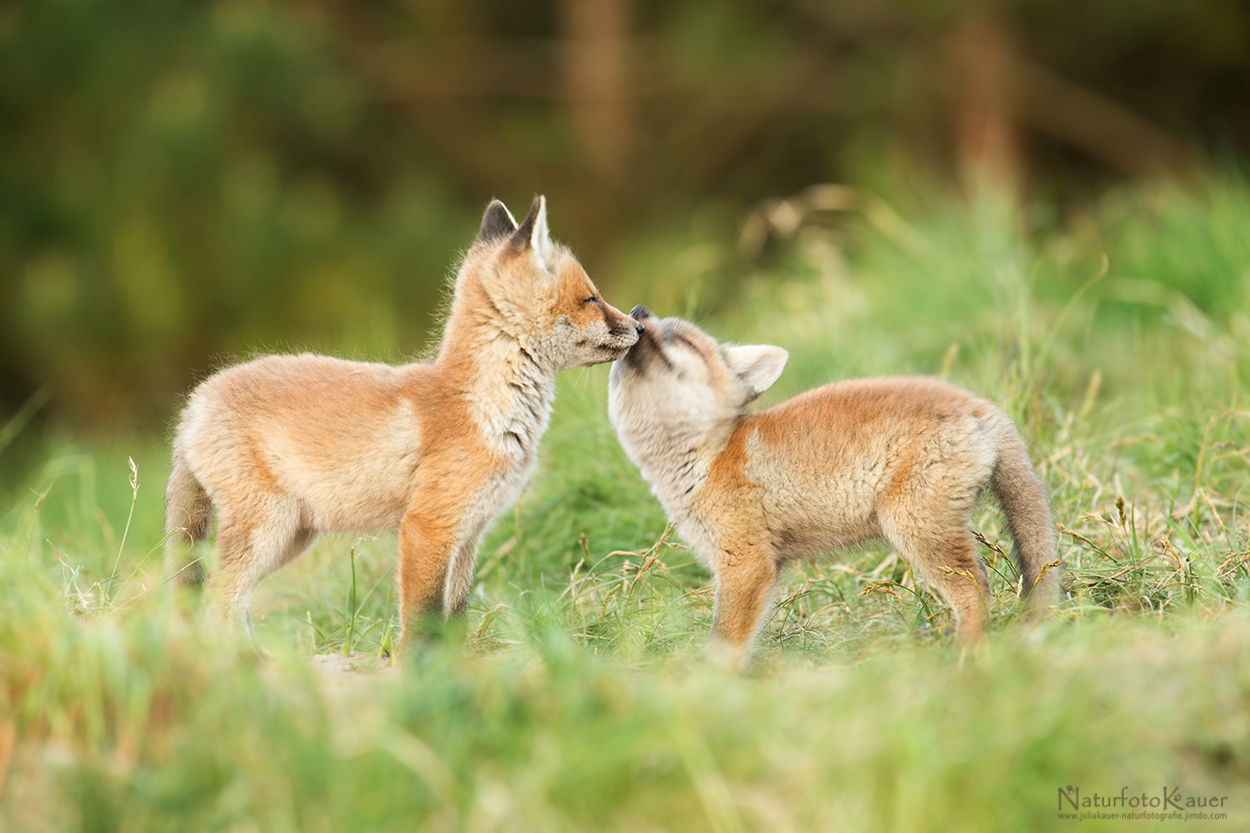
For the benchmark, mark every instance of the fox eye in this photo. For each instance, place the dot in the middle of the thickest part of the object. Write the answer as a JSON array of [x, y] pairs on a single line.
[[591, 300], [685, 341]]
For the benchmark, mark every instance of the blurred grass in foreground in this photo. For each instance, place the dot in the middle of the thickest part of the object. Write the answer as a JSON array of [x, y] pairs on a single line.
[[578, 699]]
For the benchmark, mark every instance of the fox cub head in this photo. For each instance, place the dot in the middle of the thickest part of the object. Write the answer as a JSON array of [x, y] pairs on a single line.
[[534, 290], [678, 386]]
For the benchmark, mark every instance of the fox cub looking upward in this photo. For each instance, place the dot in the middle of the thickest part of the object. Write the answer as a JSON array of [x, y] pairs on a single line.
[[286, 447], [898, 458]]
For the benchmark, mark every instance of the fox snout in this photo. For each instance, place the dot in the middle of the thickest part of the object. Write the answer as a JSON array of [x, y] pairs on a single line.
[[624, 326], [649, 334], [622, 332], [631, 325]]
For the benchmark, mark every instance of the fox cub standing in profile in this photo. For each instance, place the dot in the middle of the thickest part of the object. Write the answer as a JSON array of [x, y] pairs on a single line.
[[898, 458], [284, 448]]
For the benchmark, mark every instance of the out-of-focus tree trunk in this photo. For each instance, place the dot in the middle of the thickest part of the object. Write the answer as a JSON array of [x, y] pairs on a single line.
[[596, 82], [987, 147]]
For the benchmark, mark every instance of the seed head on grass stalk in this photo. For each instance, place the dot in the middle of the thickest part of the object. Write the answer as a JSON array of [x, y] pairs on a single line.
[[134, 498]]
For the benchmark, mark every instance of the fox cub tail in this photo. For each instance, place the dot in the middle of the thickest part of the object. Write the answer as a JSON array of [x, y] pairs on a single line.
[[1022, 495], [188, 511]]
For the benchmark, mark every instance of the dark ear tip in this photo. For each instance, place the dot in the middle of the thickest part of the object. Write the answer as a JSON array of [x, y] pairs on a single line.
[[496, 222], [521, 237]]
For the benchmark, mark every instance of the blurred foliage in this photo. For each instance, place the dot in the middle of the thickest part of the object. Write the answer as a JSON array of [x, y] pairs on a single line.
[[195, 181], [185, 183]]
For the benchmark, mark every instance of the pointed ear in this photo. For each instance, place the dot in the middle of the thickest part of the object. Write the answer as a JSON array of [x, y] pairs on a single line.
[[496, 222], [758, 365], [533, 232]]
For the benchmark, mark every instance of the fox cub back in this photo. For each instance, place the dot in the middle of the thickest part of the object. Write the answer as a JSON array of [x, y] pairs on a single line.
[[284, 448], [896, 458]]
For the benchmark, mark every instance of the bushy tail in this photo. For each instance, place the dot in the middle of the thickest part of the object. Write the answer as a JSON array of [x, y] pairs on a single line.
[[188, 512], [1022, 495]]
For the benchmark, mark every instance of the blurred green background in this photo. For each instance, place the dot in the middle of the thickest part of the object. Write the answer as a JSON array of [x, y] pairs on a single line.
[[183, 184]]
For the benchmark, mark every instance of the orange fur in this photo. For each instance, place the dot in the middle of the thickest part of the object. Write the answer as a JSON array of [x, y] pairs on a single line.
[[902, 459], [284, 448]]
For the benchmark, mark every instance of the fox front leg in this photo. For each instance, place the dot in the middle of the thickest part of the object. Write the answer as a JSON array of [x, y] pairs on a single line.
[[429, 557], [459, 578], [745, 580]]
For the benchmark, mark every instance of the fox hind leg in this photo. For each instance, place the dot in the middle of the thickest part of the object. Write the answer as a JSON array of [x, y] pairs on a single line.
[[251, 545], [947, 559]]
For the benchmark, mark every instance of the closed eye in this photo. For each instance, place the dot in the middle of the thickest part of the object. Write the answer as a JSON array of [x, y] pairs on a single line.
[[685, 341]]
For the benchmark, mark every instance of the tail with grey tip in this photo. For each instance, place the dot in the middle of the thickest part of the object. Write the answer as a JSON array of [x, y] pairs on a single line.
[[188, 512], [1022, 495]]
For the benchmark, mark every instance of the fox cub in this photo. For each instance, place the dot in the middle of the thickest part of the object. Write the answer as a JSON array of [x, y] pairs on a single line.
[[284, 448], [897, 458]]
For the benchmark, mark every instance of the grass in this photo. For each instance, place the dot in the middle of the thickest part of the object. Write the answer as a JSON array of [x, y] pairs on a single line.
[[577, 698]]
